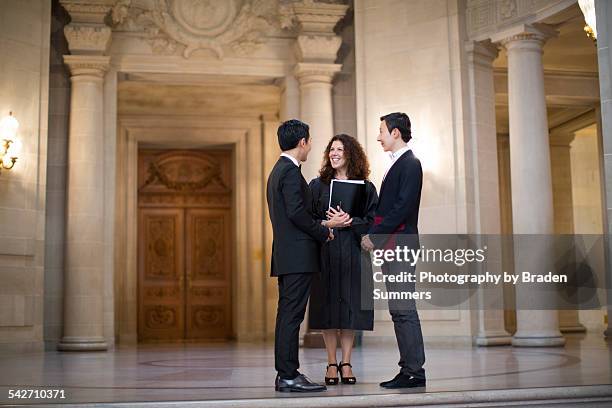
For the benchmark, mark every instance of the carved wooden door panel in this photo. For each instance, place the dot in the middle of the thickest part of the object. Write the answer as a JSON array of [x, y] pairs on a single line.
[[161, 274], [184, 245], [208, 267]]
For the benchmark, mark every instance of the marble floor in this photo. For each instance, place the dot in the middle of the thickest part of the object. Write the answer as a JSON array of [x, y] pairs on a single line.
[[245, 371]]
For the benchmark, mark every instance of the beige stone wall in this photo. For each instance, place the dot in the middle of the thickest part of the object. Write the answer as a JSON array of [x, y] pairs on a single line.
[[408, 58], [586, 185], [24, 77]]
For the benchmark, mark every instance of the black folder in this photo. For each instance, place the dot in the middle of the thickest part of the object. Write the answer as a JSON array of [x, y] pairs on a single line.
[[350, 195]]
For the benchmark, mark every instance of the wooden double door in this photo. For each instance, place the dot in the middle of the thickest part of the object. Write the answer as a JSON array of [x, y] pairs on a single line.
[[184, 245]]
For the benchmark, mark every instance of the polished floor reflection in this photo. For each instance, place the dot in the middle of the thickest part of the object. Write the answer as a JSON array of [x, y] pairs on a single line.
[[245, 371]]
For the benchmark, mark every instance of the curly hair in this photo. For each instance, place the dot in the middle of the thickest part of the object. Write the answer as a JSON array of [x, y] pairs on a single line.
[[358, 167]]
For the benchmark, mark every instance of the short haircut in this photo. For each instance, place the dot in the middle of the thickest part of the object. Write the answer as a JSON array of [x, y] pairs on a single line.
[[291, 132], [399, 121]]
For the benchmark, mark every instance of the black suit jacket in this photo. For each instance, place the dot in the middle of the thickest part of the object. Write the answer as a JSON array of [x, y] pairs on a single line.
[[400, 197], [297, 235]]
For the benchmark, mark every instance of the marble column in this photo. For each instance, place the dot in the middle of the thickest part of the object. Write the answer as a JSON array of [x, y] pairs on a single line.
[[563, 203], [316, 109], [84, 271], [88, 39], [532, 197], [482, 151]]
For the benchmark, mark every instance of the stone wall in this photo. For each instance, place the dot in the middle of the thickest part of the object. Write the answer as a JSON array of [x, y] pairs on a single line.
[[24, 77]]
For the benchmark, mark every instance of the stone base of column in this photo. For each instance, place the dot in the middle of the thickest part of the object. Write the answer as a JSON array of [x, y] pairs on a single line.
[[538, 340], [82, 344], [578, 328], [493, 339]]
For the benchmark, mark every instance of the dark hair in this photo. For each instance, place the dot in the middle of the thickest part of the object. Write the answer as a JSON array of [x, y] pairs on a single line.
[[399, 121], [358, 167], [290, 133]]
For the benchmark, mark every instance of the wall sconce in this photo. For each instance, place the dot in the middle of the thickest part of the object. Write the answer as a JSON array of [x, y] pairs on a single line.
[[9, 144], [588, 10]]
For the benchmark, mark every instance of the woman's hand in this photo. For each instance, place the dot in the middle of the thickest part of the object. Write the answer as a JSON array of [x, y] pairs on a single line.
[[337, 218]]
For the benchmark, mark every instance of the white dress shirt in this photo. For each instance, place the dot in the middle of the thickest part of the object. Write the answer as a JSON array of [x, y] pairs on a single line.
[[290, 157], [394, 157]]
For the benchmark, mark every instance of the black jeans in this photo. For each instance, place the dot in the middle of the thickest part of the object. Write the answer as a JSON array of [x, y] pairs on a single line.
[[293, 293]]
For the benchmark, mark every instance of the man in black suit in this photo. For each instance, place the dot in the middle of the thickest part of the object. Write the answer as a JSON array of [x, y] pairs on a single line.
[[397, 215], [295, 251]]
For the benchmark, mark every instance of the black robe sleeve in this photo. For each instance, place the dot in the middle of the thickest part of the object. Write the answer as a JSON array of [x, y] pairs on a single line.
[[361, 225], [315, 189]]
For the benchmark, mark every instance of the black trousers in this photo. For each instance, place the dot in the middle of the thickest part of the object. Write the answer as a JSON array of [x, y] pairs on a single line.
[[293, 293], [406, 323]]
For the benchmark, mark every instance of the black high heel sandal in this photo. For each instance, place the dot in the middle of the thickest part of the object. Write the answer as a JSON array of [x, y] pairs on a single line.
[[346, 380], [331, 380]]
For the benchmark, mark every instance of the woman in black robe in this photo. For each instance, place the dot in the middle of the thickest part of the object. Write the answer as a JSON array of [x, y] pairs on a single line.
[[335, 299]]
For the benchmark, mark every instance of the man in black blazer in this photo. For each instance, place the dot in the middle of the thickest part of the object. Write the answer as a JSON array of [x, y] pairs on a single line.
[[397, 215], [295, 251]]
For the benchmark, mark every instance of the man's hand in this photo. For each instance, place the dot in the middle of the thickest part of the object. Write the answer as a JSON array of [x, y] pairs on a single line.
[[366, 243], [330, 235]]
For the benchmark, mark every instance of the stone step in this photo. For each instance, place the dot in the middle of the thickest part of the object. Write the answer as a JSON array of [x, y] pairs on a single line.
[[559, 397]]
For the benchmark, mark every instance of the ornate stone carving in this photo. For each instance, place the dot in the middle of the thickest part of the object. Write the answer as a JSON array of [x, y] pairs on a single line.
[[307, 72], [507, 9], [87, 38], [193, 25], [310, 47], [535, 33], [312, 17], [88, 11], [486, 17], [87, 65]]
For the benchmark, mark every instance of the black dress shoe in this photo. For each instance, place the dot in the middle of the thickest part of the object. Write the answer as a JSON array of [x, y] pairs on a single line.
[[404, 381], [301, 383]]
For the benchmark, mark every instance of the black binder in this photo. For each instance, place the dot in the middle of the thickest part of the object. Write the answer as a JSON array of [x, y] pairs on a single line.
[[350, 195]]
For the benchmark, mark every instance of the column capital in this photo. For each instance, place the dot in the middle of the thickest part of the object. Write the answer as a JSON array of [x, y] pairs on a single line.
[[317, 47], [87, 32], [481, 53], [88, 11], [316, 17], [87, 65], [309, 72], [87, 38], [534, 35]]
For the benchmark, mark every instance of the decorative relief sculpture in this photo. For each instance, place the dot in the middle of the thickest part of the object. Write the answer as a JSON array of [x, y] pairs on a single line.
[[507, 9], [485, 17], [207, 317], [185, 173], [191, 25], [160, 317]]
